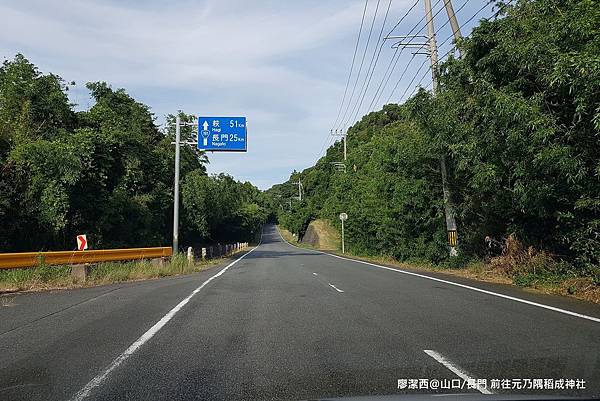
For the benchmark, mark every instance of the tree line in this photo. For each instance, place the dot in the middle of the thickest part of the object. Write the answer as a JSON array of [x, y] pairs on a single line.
[[517, 119], [106, 172]]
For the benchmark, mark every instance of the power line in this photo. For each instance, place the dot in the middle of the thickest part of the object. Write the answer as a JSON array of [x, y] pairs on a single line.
[[413, 78], [471, 19], [393, 56], [385, 79], [451, 36], [401, 76], [362, 20], [436, 32], [361, 63], [405, 15], [374, 59], [381, 47], [419, 83], [377, 59], [396, 56]]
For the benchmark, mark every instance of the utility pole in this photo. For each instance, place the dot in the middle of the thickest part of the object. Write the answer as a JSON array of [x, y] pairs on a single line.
[[345, 140], [176, 186], [433, 55], [453, 22], [299, 190]]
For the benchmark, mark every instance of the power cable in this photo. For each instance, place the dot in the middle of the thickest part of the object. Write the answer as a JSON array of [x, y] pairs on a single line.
[[362, 20], [361, 64]]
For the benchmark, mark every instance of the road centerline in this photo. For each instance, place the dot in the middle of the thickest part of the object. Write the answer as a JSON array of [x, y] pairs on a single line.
[[468, 287], [335, 288]]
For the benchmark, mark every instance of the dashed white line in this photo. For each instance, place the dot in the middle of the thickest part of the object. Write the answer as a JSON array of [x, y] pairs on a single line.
[[335, 288], [96, 381], [315, 274], [455, 369], [468, 287]]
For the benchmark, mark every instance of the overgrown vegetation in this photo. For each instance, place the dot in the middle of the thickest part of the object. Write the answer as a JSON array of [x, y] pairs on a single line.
[[106, 172], [518, 121]]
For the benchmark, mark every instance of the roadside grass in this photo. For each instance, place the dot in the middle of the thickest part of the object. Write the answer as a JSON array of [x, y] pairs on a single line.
[[289, 237], [322, 234], [533, 271], [58, 277]]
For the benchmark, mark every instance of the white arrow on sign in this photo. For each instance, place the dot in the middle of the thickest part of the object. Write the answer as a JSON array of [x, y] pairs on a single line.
[[205, 125]]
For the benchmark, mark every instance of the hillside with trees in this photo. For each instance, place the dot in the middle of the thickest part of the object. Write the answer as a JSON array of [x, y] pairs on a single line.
[[517, 119], [106, 172]]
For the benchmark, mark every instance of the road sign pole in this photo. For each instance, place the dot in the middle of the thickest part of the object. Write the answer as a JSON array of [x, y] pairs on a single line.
[[176, 186], [343, 248], [343, 217]]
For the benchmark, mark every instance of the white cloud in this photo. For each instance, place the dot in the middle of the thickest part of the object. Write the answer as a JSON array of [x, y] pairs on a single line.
[[282, 64]]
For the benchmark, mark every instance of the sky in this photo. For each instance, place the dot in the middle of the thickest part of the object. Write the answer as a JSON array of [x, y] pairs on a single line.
[[282, 64]]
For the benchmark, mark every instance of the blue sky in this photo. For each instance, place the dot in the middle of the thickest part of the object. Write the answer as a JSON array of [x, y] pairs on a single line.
[[283, 64]]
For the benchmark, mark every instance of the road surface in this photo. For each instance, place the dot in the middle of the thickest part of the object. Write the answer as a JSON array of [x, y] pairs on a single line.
[[289, 323]]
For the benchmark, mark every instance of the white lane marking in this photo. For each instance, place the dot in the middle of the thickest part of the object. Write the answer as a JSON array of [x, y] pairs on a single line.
[[315, 274], [335, 288], [96, 381], [496, 294], [455, 369]]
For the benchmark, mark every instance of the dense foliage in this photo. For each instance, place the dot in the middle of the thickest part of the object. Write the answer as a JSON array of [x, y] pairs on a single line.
[[518, 121], [106, 172]]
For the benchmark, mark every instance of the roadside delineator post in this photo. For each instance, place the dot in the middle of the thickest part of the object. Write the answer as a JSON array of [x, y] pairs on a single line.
[[190, 255]]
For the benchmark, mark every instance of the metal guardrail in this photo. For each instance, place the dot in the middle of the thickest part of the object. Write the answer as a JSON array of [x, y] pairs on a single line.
[[33, 259]]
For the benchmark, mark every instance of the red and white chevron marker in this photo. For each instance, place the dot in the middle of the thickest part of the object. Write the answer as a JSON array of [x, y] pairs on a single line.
[[82, 242]]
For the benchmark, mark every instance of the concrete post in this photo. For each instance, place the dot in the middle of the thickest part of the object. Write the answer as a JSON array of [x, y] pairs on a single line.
[[176, 186], [203, 253], [190, 255], [160, 262], [80, 273]]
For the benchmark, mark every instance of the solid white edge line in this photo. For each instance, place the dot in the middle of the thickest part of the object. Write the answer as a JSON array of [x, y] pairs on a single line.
[[96, 381], [496, 294], [335, 288], [455, 369]]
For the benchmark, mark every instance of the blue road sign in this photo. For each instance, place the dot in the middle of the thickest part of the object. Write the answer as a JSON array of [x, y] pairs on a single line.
[[222, 134]]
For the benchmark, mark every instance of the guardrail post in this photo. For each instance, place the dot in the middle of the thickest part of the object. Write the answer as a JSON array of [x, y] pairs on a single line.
[[159, 262], [79, 273], [203, 253]]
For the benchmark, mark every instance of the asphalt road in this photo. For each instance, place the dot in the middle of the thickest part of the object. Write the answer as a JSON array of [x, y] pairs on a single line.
[[289, 323]]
